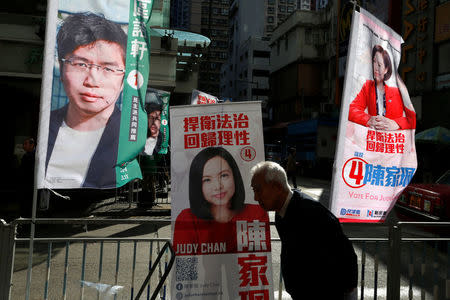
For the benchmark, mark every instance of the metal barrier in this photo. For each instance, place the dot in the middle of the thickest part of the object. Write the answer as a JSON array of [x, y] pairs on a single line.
[[419, 265], [393, 267]]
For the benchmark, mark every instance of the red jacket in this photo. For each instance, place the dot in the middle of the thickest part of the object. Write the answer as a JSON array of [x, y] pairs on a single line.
[[197, 236], [367, 98]]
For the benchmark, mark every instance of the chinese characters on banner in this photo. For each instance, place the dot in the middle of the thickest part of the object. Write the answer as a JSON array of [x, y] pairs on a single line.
[[92, 121], [199, 97], [221, 236], [376, 155]]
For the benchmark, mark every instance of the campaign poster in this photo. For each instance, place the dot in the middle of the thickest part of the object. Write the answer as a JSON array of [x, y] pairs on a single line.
[[157, 109], [376, 154], [199, 97], [220, 235], [92, 121]]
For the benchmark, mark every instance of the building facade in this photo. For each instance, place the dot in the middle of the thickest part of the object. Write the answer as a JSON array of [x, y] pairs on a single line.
[[209, 18], [245, 76], [302, 60]]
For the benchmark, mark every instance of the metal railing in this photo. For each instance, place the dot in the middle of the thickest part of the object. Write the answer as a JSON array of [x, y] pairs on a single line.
[[398, 266], [91, 267]]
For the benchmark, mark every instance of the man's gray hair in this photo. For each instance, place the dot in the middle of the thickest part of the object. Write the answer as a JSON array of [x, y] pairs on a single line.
[[272, 172]]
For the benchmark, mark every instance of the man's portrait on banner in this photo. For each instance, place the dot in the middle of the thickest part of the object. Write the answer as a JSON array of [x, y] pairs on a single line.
[[83, 134]]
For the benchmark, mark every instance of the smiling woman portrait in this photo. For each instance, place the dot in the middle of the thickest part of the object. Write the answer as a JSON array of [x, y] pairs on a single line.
[[378, 105], [216, 197]]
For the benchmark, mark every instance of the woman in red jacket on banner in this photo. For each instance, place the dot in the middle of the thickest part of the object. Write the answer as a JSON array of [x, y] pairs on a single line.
[[388, 108], [216, 196]]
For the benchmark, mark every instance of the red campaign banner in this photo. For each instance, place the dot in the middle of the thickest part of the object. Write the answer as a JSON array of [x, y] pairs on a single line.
[[221, 236], [376, 155], [199, 97]]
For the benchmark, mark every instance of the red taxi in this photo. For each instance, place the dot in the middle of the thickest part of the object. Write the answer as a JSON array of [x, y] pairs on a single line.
[[429, 200]]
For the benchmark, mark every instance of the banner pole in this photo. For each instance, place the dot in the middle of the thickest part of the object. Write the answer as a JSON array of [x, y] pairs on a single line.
[[46, 84], [340, 130], [31, 245]]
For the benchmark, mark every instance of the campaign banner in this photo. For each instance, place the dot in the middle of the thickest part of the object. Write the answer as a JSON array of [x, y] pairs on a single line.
[[92, 121], [220, 235], [376, 154], [157, 108], [199, 97]]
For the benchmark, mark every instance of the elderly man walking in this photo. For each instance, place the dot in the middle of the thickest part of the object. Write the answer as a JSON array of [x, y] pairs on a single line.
[[317, 259]]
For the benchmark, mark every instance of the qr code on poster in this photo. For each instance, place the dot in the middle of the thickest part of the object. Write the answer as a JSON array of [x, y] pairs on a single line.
[[186, 268]]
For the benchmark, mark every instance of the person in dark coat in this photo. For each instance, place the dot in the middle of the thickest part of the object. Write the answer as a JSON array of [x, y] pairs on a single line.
[[317, 259]]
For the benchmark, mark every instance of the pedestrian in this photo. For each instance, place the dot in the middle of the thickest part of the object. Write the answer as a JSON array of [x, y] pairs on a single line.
[[291, 167], [317, 259]]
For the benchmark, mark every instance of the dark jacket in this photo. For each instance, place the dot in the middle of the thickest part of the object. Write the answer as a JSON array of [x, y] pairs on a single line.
[[317, 259], [102, 171]]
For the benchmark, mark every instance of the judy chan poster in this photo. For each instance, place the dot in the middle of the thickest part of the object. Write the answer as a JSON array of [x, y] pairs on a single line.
[[376, 155], [221, 236], [92, 122]]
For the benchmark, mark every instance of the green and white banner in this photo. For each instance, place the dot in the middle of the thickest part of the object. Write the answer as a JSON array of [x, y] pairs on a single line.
[[157, 108], [93, 122]]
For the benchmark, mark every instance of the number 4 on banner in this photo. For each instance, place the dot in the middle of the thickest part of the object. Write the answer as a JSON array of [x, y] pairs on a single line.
[[353, 172]]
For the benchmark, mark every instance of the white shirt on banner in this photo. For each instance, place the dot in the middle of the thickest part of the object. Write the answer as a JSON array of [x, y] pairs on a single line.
[[71, 156], [150, 146]]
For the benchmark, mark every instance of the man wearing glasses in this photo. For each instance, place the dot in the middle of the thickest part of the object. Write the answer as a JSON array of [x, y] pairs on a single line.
[[83, 136], [154, 139]]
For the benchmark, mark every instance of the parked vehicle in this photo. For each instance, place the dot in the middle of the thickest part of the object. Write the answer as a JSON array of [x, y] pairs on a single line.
[[273, 152], [429, 200]]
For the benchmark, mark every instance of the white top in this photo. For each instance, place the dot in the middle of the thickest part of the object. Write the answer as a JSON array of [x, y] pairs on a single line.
[[380, 100], [282, 211], [150, 145], [71, 156]]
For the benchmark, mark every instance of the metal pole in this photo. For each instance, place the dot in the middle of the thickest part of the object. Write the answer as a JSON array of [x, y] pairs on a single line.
[[44, 117], [7, 247], [31, 245], [393, 271]]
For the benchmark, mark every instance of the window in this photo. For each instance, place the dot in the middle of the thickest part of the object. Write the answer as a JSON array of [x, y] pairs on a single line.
[[269, 19], [223, 55], [259, 53], [270, 10], [290, 9], [308, 36], [282, 8], [261, 73], [271, 2], [316, 38]]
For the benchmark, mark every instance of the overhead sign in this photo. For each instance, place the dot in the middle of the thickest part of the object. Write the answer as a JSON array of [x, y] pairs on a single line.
[[199, 97], [376, 155]]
